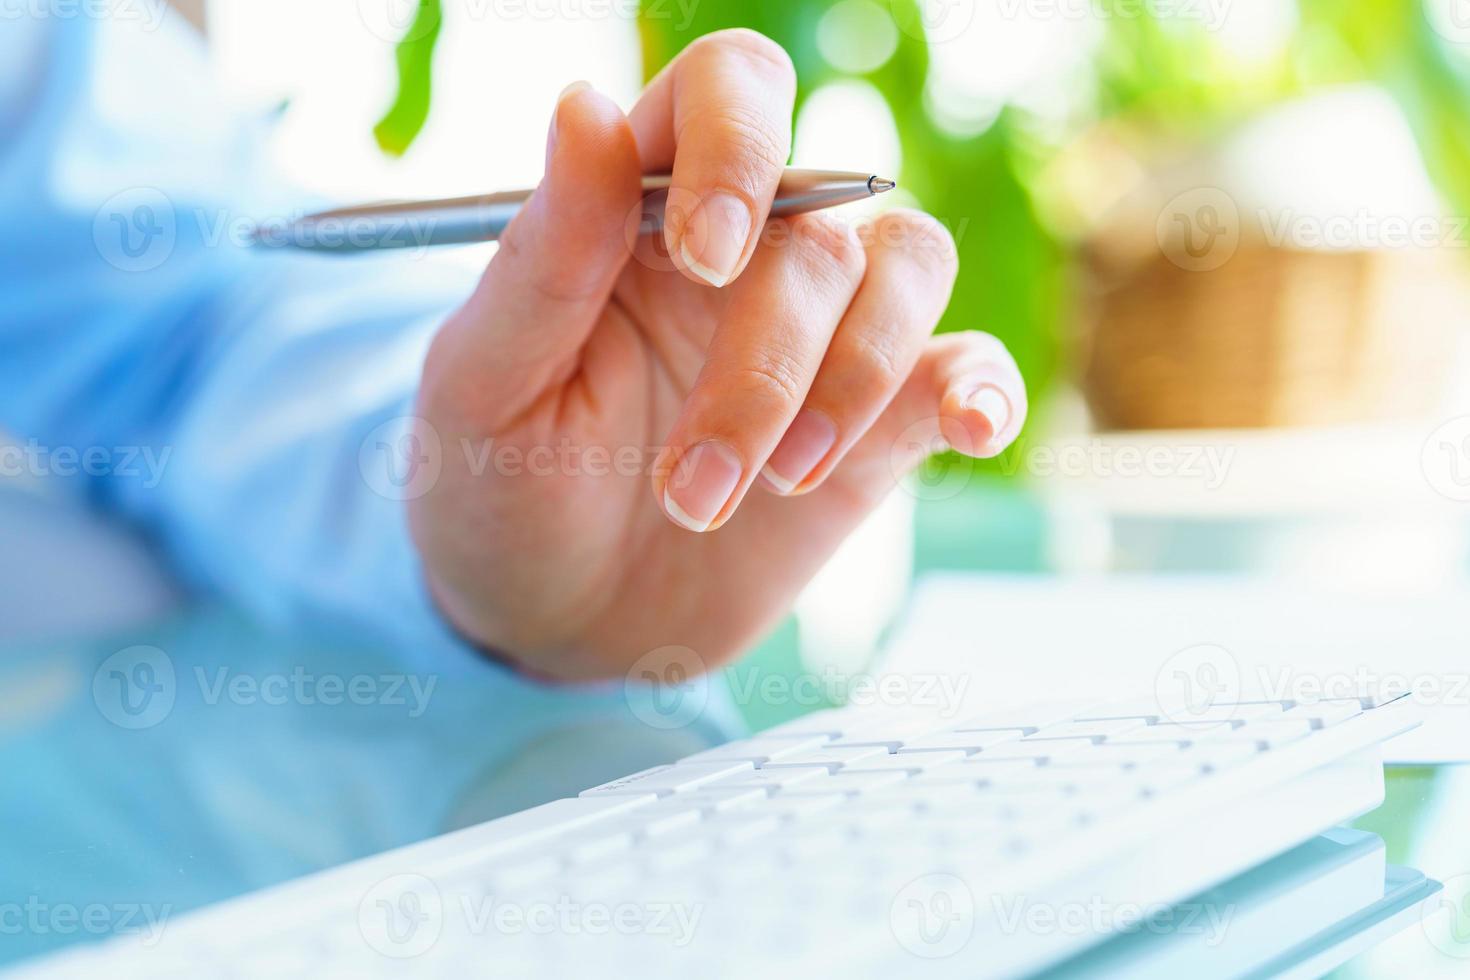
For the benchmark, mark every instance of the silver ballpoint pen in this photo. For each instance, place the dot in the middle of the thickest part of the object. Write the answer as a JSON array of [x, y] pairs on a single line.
[[461, 220]]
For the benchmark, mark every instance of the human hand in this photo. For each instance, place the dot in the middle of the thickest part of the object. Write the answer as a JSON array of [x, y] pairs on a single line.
[[788, 375]]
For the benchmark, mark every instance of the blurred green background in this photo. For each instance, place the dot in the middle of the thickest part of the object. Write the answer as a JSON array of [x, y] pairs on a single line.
[[1159, 73]]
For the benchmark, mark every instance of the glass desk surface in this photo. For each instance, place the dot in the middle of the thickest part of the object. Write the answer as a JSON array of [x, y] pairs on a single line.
[[275, 757]]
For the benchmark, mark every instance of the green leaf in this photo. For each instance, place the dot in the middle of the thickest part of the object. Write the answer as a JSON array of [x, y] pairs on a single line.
[[405, 118]]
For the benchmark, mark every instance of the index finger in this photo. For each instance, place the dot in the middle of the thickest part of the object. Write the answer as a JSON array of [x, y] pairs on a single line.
[[719, 116]]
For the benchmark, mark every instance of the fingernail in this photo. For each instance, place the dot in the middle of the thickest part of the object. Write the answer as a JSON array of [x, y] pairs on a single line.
[[990, 402], [714, 240], [806, 443], [552, 137], [701, 484]]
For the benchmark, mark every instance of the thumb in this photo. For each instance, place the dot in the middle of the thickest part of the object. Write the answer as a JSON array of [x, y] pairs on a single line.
[[558, 260]]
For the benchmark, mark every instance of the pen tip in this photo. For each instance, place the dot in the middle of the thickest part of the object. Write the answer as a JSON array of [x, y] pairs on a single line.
[[881, 185]]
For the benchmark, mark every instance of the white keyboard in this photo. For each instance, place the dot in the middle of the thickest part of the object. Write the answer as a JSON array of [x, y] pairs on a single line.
[[849, 843]]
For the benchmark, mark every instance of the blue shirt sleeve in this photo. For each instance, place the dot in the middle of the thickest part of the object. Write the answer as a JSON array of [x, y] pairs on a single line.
[[240, 405]]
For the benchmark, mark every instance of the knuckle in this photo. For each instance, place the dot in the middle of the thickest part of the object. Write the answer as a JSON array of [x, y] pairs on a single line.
[[773, 379], [921, 237], [881, 360], [833, 246], [758, 52], [756, 141]]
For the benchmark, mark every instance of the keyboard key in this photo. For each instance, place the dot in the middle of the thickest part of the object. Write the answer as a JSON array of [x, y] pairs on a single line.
[[666, 780], [1129, 756], [848, 781], [967, 741], [1054, 780], [717, 797], [1323, 714], [905, 762], [1236, 713], [1215, 756], [1274, 734], [1094, 730], [775, 777], [1369, 700], [1184, 733], [728, 831], [760, 749], [1041, 750], [832, 758], [1027, 718], [792, 806]]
